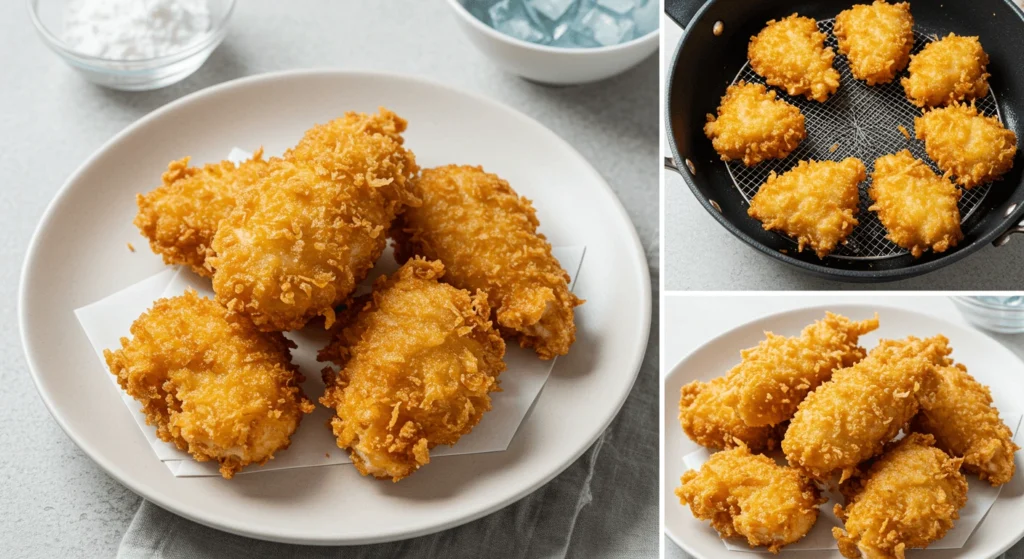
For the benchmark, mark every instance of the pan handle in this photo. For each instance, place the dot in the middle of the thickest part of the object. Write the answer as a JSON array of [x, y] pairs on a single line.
[[670, 164], [682, 11], [1005, 237]]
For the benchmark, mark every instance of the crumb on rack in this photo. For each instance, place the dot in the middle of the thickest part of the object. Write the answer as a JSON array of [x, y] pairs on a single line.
[[833, 148], [903, 131], [784, 251], [131, 247], [327, 455]]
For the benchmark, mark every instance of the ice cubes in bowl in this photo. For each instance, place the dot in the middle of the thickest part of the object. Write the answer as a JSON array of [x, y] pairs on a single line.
[[569, 23]]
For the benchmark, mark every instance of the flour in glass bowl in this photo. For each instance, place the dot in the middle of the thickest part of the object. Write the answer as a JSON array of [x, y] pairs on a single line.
[[134, 29]]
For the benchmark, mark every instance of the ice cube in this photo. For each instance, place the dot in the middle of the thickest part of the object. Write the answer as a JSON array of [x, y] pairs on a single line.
[[551, 10], [508, 17], [621, 7], [646, 15], [500, 12], [604, 28]]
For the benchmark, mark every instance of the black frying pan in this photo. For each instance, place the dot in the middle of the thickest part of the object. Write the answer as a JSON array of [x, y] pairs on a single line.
[[705, 64]]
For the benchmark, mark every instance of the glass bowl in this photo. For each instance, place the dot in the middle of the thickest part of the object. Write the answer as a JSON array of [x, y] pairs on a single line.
[[996, 313], [131, 75]]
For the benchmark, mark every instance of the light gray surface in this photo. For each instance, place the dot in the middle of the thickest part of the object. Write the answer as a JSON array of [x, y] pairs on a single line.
[[55, 501], [701, 255]]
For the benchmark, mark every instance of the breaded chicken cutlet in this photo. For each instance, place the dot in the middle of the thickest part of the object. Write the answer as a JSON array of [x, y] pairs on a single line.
[[750, 496], [180, 217], [298, 244], [815, 203], [210, 382], [776, 375], [908, 498], [753, 125], [417, 362], [876, 39], [972, 147], [707, 413], [947, 70], [917, 207], [964, 423], [849, 418], [486, 236], [790, 53]]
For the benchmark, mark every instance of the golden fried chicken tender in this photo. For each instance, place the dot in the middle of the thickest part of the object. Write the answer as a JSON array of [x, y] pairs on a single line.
[[965, 423], [486, 236], [908, 498], [876, 39], [974, 148], [210, 382], [707, 413], [947, 70], [790, 53], [777, 375], [180, 217], [916, 206], [753, 125], [750, 496], [418, 360], [298, 244], [815, 202], [849, 418]]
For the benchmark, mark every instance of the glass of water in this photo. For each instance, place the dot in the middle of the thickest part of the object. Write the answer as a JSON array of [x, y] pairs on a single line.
[[997, 313]]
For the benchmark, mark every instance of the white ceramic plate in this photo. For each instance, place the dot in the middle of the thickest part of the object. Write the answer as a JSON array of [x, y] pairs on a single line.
[[78, 255], [987, 360]]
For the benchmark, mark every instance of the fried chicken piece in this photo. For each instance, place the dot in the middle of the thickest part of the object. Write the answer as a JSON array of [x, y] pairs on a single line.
[[849, 418], [951, 69], [753, 125], [707, 413], [750, 496], [909, 498], [974, 148], [418, 360], [777, 375], [180, 217], [916, 206], [815, 202], [486, 236], [298, 244], [876, 39], [965, 423], [210, 382], [790, 53]]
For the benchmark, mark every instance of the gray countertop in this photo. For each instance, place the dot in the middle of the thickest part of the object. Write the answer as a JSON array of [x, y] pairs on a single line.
[[701, 255], [56, 502]]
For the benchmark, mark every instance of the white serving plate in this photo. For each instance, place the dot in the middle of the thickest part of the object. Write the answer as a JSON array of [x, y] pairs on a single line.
[[988, 361], [78, 255]]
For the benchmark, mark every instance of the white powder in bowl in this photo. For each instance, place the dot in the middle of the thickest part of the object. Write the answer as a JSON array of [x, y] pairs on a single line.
[[134, 29]]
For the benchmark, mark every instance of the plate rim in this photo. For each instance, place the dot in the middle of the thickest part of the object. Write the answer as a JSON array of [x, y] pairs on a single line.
[[641, 267], [675, 370]]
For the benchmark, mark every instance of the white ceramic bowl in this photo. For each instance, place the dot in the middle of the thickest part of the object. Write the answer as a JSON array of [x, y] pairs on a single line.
[[553, 65]]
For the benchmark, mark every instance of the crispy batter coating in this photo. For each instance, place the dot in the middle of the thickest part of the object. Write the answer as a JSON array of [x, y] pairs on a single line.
[[815, 202], [876, 39], [909, 498], [707, 413], [296, 246], [916, 206], [486, 236], [777, 375], [753, 125], [974, 148], [850, 418], [951, 69], [210, 382], [965, 423], [180, 217], [790, 53], [750, 496], [418, 360]]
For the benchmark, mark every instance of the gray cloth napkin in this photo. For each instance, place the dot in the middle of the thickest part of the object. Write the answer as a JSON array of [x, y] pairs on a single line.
[[603, 505]]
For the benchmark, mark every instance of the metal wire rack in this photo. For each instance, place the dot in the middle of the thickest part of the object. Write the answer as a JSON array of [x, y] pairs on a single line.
[[858, 121]]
